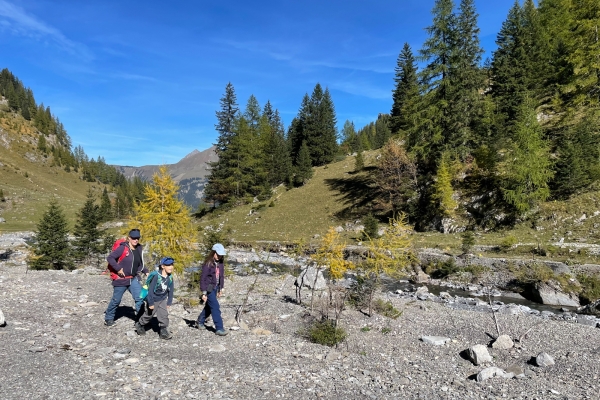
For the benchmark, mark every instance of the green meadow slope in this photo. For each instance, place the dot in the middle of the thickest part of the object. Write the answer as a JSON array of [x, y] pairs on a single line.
[[27, 179], [336, 196]]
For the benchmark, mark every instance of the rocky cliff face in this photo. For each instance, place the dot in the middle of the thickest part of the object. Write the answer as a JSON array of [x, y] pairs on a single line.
[[190, 173]]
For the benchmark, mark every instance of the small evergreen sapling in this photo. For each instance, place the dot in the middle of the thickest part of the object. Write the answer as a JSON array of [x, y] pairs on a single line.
[[52, 249]]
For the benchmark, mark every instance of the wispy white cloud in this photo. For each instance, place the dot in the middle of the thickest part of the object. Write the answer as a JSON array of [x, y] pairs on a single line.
[[18, 21], [134, 77], [282, 52], [272, 50], [362, 89]]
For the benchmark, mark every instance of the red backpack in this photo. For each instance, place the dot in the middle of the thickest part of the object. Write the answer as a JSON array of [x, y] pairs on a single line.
[[109, 269]]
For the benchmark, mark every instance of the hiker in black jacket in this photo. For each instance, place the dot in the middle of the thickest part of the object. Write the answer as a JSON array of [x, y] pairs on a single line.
[[127, 263]]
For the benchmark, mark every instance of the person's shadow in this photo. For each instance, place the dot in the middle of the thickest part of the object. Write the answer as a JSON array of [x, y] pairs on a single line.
[[126, 312]]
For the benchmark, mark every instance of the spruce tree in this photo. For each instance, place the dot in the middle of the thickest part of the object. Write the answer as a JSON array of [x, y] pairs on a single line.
[[585, 52], [278, 162], [297, 131], [165, 222], [466, 81], [578, 164], [526, 172], [219, 188], [359, 162], [406, 93], [434, 131], [226, 117], [303, 166], [315, 125], [51, 249], [382, 131], [105, 210], [349, 137], [86, 232]]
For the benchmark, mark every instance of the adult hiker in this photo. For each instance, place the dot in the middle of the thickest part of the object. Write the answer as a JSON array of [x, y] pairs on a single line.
[[127, 264], [211, 284], [159, 298]]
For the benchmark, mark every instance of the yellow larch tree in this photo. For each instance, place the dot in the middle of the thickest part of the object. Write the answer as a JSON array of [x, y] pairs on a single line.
[[390, 254], [165, 222]]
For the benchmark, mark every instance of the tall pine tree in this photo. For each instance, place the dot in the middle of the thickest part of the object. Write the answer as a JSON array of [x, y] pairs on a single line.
[[406, 94]]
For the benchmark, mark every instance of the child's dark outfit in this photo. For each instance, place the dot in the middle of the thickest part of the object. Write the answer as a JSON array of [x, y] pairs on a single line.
[[211, 283], [160, 295]]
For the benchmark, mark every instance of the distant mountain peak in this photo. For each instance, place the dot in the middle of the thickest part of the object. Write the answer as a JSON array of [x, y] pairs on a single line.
[[192, 154]]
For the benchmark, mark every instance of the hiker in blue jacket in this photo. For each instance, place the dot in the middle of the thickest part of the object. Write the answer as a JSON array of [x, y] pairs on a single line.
[[158, 299], [212, 281], [127, 262]]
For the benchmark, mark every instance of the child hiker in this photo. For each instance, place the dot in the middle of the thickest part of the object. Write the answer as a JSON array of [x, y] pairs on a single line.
[[211, 285], [158, 299]]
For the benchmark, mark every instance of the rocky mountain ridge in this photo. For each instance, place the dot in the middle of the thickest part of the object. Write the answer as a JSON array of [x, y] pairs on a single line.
[[190, 173]]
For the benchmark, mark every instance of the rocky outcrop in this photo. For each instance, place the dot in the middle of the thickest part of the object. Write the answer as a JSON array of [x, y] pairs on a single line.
[[592, 309], [311, 276], [551, 293]]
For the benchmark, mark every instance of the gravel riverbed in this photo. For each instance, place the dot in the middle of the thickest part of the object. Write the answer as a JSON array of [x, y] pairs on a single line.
[[55, 346]]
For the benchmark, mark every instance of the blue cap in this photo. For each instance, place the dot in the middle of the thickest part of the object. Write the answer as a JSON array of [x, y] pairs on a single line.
[[166, 261], [219, 249], [134, 234]]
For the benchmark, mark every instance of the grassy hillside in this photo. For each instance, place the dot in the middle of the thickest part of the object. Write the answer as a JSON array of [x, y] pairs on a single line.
[[27, 180], [294, 214], [336, 196]]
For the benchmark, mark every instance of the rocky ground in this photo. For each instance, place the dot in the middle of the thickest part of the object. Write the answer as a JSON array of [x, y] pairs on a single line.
[[56, 346]]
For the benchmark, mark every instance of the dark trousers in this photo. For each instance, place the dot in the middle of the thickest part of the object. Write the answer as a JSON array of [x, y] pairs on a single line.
[[160, 311], [212, 307]]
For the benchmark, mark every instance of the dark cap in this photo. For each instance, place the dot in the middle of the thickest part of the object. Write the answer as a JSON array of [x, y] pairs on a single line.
[[134, 234], [166, 261]]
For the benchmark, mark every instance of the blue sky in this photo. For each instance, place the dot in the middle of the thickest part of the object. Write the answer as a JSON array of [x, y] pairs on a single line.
[[138, 82]]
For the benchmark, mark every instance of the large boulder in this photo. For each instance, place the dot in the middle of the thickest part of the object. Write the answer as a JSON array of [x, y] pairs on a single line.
[[307, 278], [503, 342], [551, 293], [593, 308], [478, 354]]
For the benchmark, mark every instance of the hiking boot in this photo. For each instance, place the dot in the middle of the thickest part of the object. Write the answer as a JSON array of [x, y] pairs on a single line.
[[221, 332], [109, 322], [139, 329], [165, 334], [201, 325]]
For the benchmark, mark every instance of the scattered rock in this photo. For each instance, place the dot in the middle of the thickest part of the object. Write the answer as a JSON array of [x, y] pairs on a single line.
[[544, 360], [516, 370], [435, 340], [478, 354], [2, 319], [217, 348], [503, 342], [490, 373], [261, 331]]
